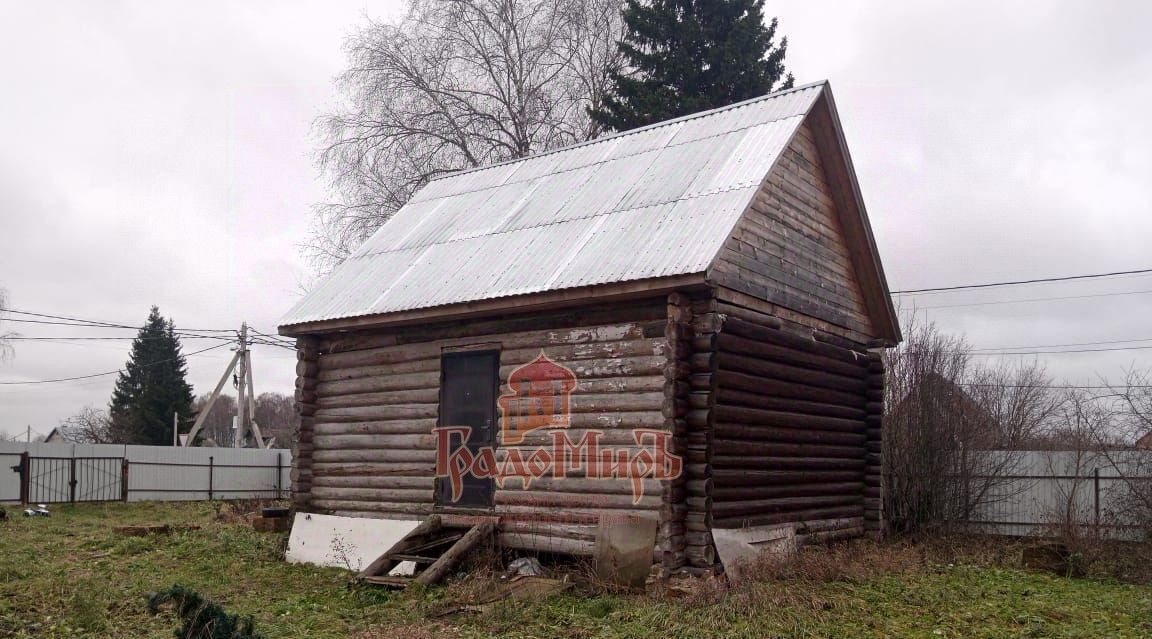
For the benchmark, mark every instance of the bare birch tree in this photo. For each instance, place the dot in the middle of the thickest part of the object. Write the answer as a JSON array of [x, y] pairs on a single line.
[[456, 84]]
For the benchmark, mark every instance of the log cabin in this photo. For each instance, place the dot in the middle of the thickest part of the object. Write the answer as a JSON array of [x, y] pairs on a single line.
[[695, 309]]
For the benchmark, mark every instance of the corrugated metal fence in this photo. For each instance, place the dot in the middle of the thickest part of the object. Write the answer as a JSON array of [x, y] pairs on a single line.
[[54, 473], [1041, 490]]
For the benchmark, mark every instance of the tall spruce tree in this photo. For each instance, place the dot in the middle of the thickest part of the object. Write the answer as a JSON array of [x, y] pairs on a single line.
[[152, 386], [686, 56]]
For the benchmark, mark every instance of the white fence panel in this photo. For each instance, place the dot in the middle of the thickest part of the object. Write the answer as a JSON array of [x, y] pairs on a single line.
[[158, 473]]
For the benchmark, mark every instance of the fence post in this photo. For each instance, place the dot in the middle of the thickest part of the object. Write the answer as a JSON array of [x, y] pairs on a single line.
[[279, 477], [211, 465], [72, 480], [1096, 497], [25, 477], [124, 479]]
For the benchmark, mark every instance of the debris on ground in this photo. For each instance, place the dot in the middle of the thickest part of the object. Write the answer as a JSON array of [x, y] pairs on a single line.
[[524, 567], [41, 510]]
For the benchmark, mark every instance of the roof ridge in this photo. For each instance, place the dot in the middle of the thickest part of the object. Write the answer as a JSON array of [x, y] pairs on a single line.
[[622, 134]]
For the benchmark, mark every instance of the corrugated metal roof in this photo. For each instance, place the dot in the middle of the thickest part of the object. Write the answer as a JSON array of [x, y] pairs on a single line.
[[654, 202]]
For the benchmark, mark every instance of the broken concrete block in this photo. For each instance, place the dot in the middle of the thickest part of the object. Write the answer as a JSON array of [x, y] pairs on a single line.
[[623, 553]]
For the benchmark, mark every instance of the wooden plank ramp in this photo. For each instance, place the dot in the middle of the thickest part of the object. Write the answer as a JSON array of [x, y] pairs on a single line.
[[435, 546]]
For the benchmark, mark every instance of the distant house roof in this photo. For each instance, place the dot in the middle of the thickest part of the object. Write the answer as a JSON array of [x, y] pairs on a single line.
[[655, 202]]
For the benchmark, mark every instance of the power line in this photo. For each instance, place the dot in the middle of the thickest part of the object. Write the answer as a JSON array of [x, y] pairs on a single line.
[[1115, 341], [1083, 350], [91, 322], [1065, 278], [1033, 299], [70, 379]]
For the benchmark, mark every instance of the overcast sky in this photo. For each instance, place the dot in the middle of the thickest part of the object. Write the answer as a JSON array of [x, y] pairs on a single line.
[[160, 153]]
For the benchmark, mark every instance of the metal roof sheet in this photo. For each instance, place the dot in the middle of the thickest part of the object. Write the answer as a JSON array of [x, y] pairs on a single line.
[[654, 202]]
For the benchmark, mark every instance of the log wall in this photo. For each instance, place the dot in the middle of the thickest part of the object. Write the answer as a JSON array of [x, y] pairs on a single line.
[[307, 353], [873, 471], [376, 397], [783, 428]]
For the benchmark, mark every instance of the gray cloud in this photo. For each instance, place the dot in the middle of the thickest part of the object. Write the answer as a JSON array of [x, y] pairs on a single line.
[[160, 153]]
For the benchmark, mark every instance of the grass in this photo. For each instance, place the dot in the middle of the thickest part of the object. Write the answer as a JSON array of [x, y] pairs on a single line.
[[71, 575]]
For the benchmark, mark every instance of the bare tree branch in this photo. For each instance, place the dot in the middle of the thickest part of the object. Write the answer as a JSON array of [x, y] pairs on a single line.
[[456, 84]]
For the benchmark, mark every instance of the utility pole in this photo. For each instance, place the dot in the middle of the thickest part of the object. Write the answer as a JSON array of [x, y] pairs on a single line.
[[242, 416], [243, 421], [175, 429]]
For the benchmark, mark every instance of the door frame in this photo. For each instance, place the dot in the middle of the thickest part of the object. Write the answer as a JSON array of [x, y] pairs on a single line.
[[458, 352]]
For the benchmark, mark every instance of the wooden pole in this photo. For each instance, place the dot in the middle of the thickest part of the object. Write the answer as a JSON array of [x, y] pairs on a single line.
[[241, 397], [211, 400], [252, 401]]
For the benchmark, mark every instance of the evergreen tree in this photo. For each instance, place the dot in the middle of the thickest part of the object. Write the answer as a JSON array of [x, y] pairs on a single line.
[[151, 387], [687, 56]]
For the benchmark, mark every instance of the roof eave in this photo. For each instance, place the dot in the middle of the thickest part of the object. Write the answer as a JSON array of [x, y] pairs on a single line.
[[546, 300]]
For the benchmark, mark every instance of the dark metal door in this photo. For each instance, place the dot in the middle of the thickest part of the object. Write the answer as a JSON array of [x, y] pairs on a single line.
[[469, 383]]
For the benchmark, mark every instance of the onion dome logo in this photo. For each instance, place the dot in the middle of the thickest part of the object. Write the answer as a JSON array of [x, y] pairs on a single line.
[[539, 397]]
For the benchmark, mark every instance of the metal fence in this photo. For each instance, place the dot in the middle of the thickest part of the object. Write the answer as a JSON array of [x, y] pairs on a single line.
[[1042, 490], [58, 473]]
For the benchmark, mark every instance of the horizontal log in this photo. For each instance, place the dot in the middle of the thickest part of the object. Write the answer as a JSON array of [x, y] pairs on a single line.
[[784, 419], [382, 495], [736, 397], [744, 448], [408, 381], [552, 499], [728, 343], [377, 413], [798, 516], [585, 486], [395, 510], [785, 372], [753, 493], [775, 463], [604, 323], [610, 367], [332, 373], [726, 509], [541, 543], [390, 427], [780, 388], [743, 328], [373, 469], [385, 455], [725, 478], [757, 433], [374, 442], [582, 532]]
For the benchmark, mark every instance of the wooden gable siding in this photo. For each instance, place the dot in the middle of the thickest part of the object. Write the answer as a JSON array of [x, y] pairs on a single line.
[[370, 399], [789, 248]]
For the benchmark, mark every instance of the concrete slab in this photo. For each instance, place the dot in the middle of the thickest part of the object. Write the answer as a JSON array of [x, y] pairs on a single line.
[[345, 542], [738, 547], [623, 553]]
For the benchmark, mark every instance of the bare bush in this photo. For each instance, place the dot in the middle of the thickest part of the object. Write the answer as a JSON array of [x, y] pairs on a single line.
[[456, 84], [953, 429], [89, 426]]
